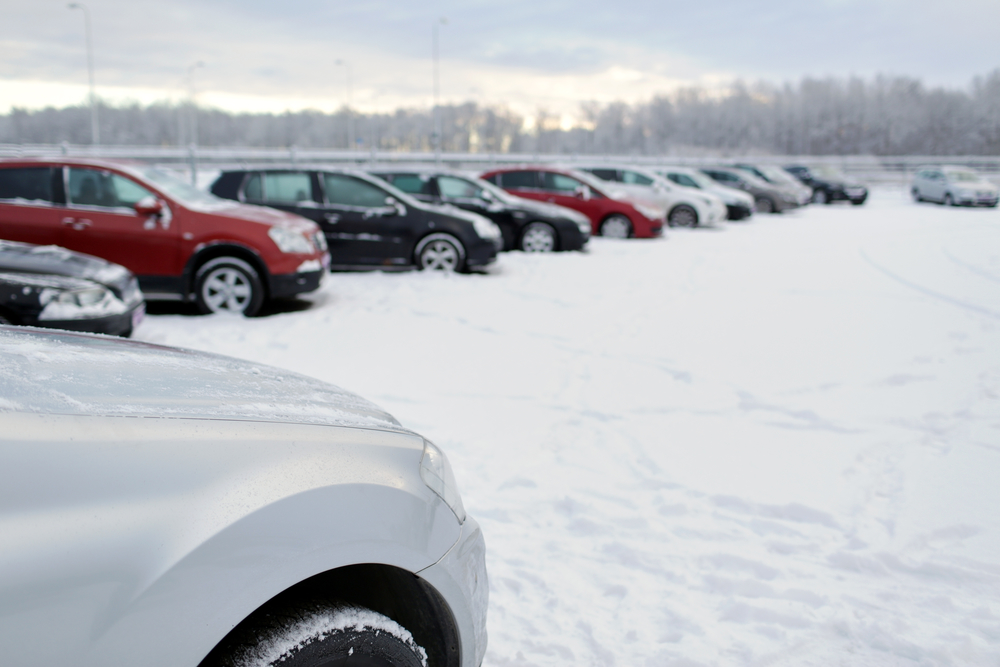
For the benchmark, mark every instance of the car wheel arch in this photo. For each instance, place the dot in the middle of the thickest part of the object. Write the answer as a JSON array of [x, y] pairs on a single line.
[[215, 250]]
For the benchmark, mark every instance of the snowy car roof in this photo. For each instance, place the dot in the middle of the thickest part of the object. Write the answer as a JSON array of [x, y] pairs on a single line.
[[67, 373]]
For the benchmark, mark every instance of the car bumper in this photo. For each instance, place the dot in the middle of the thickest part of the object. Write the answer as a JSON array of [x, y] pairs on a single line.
[[482, 253], [290, 284], [571, 237], [738, 211], [460, 577], [112, 325]]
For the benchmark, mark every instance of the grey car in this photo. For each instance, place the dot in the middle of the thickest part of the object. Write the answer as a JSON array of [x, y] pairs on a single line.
[[953, 186], [163, 507], [767, 198]]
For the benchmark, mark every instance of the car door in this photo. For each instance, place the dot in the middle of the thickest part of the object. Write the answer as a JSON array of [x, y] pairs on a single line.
[[293, 191], [99, 219], [361, 227], [27, 204], [570, 192], [523, 183]]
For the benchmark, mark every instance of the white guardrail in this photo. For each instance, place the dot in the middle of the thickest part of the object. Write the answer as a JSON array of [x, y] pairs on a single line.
[[889, 170]]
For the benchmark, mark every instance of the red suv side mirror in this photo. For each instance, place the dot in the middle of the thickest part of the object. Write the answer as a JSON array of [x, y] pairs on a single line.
[[148, 206]]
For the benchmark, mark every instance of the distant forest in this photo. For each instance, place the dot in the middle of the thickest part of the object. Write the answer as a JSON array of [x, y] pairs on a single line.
[[883, 116]]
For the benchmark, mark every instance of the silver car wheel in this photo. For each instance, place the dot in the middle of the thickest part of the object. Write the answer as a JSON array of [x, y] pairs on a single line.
[[439, 255], [948, 200], [764, 205], [916, 195], [683, 216], [538, 237], [616, 227], [228, 285], [819, 196]]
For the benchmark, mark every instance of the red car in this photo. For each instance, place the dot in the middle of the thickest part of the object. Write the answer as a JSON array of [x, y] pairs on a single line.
[[183, 244], [612, 212]]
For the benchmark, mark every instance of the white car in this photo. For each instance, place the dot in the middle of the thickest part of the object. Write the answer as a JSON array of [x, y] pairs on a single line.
[[686, 207], [739, 204], [954, 186], [162, 507]]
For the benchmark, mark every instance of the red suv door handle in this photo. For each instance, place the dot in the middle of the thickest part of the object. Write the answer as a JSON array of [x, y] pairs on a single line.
[[77, 223]]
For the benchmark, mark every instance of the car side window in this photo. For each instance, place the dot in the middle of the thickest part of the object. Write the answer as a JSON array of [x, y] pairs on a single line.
[[685, 180], [252, 189], [605, 174], [33, 184], [287, 187], [519, 179], [635, 178], [94, 187], [458, 188], [344, 190], [559, 182], [413, 184]]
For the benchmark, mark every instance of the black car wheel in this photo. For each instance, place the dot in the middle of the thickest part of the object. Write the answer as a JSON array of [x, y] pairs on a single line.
[[764, 205], [616, 227], [440, 252], [948, 200], [324, 637], [228, 285], [538, 237], [917, 197], [683, 216], [820, 196]]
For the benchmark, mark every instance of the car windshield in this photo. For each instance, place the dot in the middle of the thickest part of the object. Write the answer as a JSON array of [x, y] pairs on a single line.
[[178, 189], [701, 180], [497, 193], [592, 182], [963, 176]]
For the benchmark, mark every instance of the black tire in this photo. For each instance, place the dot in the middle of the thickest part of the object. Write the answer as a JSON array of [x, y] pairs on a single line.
[[948, 200], [538, 237], [616, 226], [228, 285], [764, 205], [335, 636], [917, 197], [440, 252], [820, 196], [683, 216]]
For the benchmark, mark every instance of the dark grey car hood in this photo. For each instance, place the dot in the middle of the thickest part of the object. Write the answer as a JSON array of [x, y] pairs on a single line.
[[53, 260]]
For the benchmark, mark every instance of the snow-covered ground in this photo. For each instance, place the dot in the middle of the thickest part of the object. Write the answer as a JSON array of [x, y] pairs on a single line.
[[776, 443]]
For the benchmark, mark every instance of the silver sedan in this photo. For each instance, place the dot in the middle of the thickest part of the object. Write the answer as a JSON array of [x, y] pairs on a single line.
[[162, 507]]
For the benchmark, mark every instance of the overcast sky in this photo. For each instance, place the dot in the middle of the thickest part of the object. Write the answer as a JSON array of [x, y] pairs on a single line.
[[265, 55]]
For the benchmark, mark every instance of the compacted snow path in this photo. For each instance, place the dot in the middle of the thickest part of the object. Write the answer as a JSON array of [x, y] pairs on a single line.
[[776, 443]]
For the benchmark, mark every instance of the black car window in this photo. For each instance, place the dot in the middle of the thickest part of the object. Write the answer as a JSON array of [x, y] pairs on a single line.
[[458, 188], [413, 184], [559, 182], [635, 178], [684, 179], [605, 174], [93, 187], [28, 183], [287, 187], [519, 179], [347, 190]]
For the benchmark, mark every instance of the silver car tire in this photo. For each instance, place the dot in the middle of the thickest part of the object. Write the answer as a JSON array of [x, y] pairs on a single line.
[[616, 227], [917, 197], [764, 205], [948, 200], [538, 237], [683, 216], [228, 285], [819, 196], [440, 252]]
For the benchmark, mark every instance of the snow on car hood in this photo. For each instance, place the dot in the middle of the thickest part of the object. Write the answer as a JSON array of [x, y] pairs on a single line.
[[49, 259], [261, 214], [65, 373]]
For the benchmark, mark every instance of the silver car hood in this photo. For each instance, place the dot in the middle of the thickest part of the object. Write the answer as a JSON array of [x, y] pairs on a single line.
[[80, 374]]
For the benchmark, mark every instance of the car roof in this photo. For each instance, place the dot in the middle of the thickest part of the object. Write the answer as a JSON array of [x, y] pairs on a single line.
[[67, 373]]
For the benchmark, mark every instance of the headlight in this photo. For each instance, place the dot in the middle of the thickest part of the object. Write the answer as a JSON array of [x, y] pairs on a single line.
[[437, 475], [487, 229], [290, 241], [78, 304], [650, 212]]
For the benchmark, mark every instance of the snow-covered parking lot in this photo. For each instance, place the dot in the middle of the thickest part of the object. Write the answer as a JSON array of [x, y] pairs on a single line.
[[775, 443]]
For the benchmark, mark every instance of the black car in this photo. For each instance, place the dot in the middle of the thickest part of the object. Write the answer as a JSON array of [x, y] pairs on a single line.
[[829, 185], [367, 222], [49, 286], [526, 225]]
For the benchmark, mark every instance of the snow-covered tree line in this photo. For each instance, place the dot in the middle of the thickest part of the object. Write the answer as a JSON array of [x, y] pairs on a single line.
[[882, 116]]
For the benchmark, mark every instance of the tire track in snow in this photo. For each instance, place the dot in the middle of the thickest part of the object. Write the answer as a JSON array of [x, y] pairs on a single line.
[[970, 267], [928, 292]]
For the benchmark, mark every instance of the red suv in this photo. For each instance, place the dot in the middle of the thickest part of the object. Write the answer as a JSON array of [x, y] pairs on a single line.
[[182, 243], [612, 212]]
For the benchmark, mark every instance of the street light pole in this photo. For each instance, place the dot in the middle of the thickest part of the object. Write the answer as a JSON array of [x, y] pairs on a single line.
[[437, 88], [95, 131], [350, 114]]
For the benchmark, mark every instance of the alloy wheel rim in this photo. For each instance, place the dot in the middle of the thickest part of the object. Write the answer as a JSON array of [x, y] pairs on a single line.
[[227, 290], [440, 256], [615, 228], [538, 240], [683, 218]]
